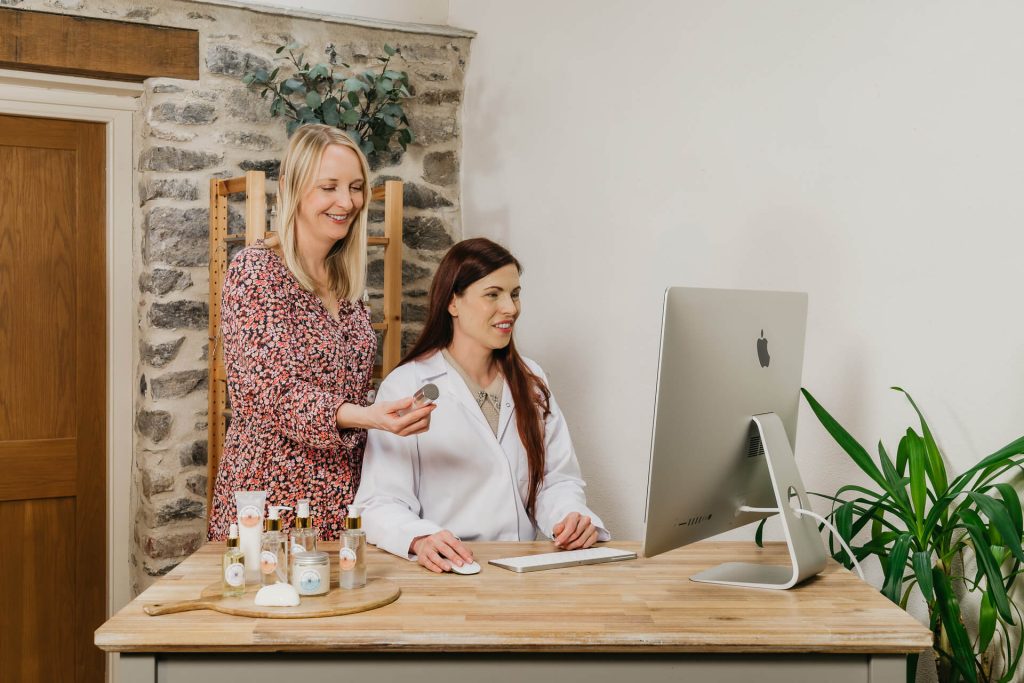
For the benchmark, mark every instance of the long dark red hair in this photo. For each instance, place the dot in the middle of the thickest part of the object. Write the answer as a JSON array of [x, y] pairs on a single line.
[[464, 264]]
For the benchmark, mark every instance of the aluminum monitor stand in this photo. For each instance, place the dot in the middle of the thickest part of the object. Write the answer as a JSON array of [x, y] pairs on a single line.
[[806, 550]]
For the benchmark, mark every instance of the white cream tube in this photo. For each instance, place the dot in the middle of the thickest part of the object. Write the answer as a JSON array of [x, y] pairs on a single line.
[[251, 505]]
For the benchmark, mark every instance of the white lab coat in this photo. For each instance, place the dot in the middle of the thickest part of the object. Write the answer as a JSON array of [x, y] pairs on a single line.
[[458, 475]]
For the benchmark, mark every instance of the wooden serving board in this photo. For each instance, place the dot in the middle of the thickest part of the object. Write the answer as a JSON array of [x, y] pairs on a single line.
[[376, 593]]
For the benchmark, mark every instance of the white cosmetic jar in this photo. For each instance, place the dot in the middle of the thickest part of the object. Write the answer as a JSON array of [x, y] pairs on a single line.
[[311, 573]]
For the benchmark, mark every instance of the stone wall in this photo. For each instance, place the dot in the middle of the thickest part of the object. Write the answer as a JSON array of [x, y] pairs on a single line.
[[189, 131]]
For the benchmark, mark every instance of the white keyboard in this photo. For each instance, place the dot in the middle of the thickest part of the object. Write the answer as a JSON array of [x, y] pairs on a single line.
[[565, 558]]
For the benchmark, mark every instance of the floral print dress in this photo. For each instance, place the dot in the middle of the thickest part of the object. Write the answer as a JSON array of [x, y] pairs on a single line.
[[290, 365]]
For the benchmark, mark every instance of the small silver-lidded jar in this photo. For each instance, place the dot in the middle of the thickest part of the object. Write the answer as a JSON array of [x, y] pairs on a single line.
[[311, 573]]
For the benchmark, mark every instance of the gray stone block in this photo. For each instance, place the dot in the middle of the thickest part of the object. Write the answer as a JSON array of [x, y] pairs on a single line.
[[431, 130], [268, 166], [156, 481], [177, 159], [410, 272], [175, 315], [246, 140], [178, 510], [194, 454], [435, 97], [159, 355], [162, 547], [178, 384], [414, 313], [425, 232], [187, 190], [177, 237], [153, 424], [189, 114], [222, 59], [163, 280], [197, 484], [441, 168]]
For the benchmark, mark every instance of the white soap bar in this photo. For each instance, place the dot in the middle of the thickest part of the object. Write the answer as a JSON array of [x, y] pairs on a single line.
[[278, 595]]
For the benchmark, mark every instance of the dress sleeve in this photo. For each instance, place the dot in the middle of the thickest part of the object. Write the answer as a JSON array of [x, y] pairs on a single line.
[[391, 510], [562, 489], [268, 354]]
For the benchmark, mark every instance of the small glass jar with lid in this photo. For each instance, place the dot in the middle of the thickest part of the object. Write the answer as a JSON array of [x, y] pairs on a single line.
[[311, 573]]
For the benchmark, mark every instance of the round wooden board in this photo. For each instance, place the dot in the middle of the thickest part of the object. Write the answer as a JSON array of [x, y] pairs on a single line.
[[376, 593]]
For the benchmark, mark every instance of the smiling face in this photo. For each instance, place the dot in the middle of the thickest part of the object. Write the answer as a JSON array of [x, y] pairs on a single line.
[[332, 203], [485, 313]]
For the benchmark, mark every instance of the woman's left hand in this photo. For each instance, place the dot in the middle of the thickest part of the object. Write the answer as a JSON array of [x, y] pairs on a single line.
[[575, 531]]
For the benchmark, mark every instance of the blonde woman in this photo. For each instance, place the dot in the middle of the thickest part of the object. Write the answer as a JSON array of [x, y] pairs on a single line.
[[298, 346]]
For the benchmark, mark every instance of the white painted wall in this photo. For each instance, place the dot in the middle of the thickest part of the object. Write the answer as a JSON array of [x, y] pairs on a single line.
[[404, 11], [870, 154]]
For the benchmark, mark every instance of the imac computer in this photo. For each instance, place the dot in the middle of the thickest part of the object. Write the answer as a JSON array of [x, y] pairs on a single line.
[[725, 417]]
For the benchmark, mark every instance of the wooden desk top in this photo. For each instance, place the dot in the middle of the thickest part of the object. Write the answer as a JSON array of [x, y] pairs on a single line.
[[638, 606]]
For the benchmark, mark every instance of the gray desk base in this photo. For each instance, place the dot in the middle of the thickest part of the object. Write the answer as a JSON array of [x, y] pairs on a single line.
[[510, 667]]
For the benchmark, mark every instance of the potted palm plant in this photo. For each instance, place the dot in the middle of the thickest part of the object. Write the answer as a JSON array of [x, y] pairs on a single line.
[[954, 544]]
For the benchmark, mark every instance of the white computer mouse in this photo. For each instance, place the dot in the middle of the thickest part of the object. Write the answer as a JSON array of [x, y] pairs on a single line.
[[467, 568]]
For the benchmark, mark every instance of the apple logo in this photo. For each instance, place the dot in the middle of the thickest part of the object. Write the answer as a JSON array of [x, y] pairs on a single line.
[[762, 351]]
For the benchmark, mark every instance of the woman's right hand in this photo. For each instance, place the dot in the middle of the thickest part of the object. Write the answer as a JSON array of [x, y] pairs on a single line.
[[384, 415], [437, 552]]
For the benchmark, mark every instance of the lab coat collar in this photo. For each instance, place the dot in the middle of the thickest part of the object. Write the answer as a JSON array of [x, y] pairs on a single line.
[[437, 370]]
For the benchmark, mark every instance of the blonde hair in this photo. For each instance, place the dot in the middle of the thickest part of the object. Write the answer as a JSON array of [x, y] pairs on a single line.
[[346, 262]]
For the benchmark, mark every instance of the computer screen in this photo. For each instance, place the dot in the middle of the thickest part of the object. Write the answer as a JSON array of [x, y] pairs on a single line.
[[728, 388]]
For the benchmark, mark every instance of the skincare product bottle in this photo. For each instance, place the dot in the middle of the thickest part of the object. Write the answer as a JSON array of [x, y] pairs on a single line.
[[233, 566], [311, 573], [304, 535], [250, 530], [352, 555], [274, 549]]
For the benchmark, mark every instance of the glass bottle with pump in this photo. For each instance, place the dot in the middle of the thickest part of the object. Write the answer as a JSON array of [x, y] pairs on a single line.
[[233, 575], [304, 535], [274, 549], [352, 555]]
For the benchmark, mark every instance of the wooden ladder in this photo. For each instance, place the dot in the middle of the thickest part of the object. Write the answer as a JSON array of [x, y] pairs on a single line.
[[253, 184]]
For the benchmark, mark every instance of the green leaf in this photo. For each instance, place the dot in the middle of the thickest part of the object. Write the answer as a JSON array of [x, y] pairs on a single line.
[[330, 110], [976, 528], [949, 610], [313, 100], [1011, 500], [759, 533], [394, 75], [353, 98], [999, 518], [290, 85], [986, 622], [388, 50], [844, 525], [918, 486], [355, 85], [923, 571], [248, 79], [280, 49], [1005, 453], [893, 585], [317, 72], [350, 117], [936, 468], [846, 442]]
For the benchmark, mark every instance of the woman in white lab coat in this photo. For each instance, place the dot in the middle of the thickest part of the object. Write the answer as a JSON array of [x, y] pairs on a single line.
[[497, 463]]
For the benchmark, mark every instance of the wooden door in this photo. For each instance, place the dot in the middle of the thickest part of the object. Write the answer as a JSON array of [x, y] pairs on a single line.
[[52, 399]]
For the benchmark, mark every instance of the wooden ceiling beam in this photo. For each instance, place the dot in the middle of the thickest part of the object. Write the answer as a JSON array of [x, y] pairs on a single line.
[[96, 48]]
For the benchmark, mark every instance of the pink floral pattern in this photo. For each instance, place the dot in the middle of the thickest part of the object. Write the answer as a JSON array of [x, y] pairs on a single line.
[[290, 366]]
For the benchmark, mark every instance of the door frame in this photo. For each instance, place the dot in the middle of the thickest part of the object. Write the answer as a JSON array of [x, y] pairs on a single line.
[[114, 104]]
